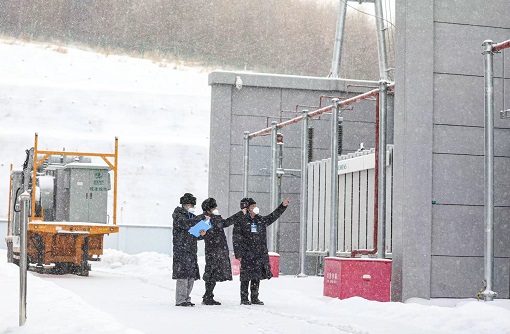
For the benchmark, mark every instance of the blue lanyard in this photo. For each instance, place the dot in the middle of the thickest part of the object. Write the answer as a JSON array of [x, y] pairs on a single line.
[[253, 221]]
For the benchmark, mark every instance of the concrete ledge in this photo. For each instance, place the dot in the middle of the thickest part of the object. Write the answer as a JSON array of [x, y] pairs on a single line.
[[290, 81]]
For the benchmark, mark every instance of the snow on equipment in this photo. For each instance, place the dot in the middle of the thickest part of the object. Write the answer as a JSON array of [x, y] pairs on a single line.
[[68, 216]]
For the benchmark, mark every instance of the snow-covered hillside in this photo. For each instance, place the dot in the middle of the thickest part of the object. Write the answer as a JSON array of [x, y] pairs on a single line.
[[81, 100]]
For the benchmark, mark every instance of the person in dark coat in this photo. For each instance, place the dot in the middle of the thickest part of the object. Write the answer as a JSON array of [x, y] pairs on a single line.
[[185, 263], [217, 257], [250, 246]]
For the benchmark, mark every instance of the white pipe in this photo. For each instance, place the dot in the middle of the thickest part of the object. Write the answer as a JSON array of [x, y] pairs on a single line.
[[381, 170], [339, 37], [488, 53], [304, 195], [335, 112], [23, 261], [246, 156], [381, 41], [273, 235]]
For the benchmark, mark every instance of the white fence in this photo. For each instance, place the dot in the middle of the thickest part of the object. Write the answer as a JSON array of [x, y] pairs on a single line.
[[356, 186]]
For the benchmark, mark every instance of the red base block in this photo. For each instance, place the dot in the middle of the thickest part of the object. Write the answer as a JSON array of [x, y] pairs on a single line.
[[348, 277], [236, 266], [274, 261]]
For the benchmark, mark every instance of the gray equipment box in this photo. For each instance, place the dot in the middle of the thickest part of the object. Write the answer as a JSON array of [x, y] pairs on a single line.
[[81, 193]]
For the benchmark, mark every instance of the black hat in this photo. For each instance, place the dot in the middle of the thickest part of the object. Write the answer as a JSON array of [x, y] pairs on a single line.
[[246, 202], [209, 204], [188, 198]]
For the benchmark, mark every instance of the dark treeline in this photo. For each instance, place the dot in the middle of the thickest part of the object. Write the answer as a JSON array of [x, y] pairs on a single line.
[[283, 36]]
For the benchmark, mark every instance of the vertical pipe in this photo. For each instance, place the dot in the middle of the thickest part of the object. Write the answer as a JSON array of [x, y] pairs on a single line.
[[246, 156], [116, 171], [488, 294], [381, 171], [34, 176], [381, 41], [303, 213], [335, 113], [25, 202], [9, 232], [273, 192], [339, 37]]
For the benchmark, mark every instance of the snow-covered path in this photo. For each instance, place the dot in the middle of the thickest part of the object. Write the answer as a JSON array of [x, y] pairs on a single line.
[[135, 293]]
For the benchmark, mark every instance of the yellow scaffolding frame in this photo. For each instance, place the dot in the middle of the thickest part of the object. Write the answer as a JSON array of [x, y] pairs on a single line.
[[104, 156]]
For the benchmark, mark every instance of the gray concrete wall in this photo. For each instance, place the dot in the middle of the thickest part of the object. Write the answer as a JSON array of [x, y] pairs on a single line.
[[252, 108], [439, 119]]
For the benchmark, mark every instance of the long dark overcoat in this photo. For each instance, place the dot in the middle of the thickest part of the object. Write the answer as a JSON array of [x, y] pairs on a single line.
[[251, 244], [217, 255], [185, 263]]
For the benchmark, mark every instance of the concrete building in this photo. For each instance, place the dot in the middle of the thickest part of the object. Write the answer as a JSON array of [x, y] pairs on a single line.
[[438, 212]]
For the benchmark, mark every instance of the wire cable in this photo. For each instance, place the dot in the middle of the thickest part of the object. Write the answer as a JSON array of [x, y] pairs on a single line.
[[345, 1]]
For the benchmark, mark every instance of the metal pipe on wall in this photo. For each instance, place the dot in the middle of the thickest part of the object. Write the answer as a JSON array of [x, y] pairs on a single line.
[[303, 213], [273, 235], [246, 156], [488, 53], [381, 41], [335, 112], [381, 170], [339, 37]]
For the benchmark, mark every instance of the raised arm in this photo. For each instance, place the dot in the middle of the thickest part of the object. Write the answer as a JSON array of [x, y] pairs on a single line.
[[273, 216]]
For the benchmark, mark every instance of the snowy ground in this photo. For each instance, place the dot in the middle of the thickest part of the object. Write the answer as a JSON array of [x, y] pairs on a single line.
[[81, 100], [135, 293]]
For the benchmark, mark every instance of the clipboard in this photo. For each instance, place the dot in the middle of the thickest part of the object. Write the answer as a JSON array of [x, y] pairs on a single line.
[[202, 225]]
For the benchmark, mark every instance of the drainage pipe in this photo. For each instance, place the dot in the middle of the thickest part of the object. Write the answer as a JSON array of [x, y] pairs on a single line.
[[488, 53], [246, 156], [333, 238], [273, 237], [304, 194]]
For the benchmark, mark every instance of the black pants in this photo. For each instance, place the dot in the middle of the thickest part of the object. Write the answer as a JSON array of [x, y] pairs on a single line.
[[209, 287], [254, 289]]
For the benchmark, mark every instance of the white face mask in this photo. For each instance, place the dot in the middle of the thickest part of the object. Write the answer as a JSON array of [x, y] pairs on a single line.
[[191, 210], [255, 210], [216, 212]]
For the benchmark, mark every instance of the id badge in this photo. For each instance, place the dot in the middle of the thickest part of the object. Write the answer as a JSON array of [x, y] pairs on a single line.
[[254, 228]]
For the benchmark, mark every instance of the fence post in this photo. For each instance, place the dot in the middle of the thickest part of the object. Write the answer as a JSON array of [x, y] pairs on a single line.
[[488, 53], [381, 170], [23, 265], [246, 156], [273, 238], [303, 214], [335, 112]]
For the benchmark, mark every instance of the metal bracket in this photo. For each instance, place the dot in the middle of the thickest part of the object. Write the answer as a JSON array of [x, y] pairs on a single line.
[[504, 114]]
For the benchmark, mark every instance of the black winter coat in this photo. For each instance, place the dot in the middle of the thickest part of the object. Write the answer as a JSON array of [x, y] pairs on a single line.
[[217, 255], [251, 246], [185, 263]]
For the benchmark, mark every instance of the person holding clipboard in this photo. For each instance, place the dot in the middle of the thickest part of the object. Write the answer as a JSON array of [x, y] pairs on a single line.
[[185, 263], [217, 259]]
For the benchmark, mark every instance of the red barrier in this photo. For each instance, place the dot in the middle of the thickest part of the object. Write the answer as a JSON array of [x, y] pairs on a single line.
[[348, 277], [274, 261]]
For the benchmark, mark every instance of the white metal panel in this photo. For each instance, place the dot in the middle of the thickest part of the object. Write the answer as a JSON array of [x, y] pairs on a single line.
[[348, 212], [355, 211], [327, 213], [322, 203], [389, 213], [370, 208], [341, 213], [315, 232], [363, 209], [311, 196]]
